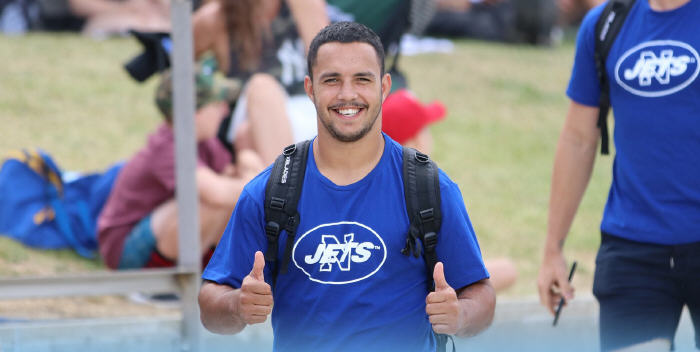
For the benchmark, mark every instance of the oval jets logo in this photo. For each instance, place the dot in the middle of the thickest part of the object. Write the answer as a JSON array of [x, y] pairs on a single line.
[[657, 68], [339, 253]]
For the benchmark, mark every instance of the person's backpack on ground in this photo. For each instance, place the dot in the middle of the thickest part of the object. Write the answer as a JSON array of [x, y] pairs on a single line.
[[42, 210]]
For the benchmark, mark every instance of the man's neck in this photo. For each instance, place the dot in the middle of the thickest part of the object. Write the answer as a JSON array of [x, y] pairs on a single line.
[[346, 163], [666, 5]]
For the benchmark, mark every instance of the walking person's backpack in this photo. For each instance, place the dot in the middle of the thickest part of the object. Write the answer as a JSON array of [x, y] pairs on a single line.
[[421, 191], [606, 30], [42, 210]]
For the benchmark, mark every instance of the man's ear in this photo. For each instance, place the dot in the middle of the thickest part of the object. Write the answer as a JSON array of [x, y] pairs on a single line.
[[386, 86], [308, 87]]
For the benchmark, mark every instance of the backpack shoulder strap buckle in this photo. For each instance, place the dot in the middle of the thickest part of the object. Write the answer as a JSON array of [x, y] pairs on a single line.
[[277, 203], [289, 150], [427, 215], [422, 158], [430, 241]]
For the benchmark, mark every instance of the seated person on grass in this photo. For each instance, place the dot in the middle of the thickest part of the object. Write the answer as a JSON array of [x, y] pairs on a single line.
[[138, 225]]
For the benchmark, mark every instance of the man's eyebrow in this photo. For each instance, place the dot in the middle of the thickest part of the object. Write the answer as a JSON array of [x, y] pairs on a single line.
[[364, 74], [325, 75], [329, 75]]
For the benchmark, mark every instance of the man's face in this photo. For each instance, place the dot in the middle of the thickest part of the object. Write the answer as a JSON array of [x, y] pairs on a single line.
[[347, 89]]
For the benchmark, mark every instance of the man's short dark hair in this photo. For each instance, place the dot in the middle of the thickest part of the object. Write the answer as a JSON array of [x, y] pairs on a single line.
[[345, 32]]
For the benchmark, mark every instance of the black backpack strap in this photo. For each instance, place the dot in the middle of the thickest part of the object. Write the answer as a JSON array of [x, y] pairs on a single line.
[[422, 193], [606, 30], [281, 197]]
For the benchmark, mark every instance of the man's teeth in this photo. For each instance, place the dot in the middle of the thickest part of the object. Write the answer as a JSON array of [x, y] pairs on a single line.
[[348, 111]]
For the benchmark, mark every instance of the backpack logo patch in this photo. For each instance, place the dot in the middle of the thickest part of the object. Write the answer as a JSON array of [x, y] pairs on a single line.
[[657, 68], [339, 253]]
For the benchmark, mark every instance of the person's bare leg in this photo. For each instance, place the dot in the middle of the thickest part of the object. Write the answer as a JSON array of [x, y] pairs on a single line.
[[212, 222], [164, 227], [248, 164], [270, 128], [243, 138], [503, 273]]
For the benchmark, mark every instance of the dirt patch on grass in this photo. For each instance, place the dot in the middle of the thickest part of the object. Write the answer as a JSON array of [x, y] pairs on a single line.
[[82, 307]]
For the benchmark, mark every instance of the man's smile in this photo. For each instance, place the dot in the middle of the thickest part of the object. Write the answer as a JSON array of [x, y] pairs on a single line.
[[347, 111]]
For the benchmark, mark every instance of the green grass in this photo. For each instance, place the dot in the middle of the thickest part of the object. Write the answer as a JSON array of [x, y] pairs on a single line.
[[506, 105]]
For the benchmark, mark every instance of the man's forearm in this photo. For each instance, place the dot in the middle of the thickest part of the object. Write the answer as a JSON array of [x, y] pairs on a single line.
[[217, 308], [573, 165], [477, 305]]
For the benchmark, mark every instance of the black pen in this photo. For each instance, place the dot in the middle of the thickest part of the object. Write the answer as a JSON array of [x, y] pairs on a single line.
[[561, 301]]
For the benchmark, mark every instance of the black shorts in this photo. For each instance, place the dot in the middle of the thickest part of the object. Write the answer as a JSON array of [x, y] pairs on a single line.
[[642, 288]]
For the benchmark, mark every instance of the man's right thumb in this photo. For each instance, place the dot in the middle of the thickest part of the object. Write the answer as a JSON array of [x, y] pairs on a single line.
[[258, 266]]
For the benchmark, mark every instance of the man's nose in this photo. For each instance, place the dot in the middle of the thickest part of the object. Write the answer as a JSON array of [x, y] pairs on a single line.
[[347, 91]]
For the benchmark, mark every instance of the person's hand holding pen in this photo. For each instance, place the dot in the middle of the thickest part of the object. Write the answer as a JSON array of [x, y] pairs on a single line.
[[552, 283], [561, 301]]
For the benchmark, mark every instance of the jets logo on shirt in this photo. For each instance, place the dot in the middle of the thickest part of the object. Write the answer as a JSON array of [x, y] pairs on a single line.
[[657, 68], [339, 253]]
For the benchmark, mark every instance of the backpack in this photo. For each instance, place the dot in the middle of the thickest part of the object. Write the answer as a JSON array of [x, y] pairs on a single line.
[[421, 191], [42, 209], [606, 30]]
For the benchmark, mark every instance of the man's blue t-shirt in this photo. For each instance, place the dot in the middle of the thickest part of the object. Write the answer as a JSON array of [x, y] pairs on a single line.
[[348, 287], [653, 71]]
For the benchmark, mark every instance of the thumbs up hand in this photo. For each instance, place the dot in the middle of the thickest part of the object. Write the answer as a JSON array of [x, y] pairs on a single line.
[[255, 302], [442, 305]]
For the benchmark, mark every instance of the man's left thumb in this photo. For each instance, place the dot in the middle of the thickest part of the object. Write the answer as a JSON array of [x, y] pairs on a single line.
[[439, 277]]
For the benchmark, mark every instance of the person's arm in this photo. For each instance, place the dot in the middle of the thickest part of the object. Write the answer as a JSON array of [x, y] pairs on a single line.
[[218, 308], [463, 313], [210, 34], [478, 304], [573, 164], [226, 310], [218, 189], [310, 17]]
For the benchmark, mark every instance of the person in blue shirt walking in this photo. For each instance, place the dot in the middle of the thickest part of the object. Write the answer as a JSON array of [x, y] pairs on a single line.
[[648, 264], [348, 286]]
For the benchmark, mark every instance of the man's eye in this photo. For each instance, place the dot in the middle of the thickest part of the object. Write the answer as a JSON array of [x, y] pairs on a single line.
[[330, 80]]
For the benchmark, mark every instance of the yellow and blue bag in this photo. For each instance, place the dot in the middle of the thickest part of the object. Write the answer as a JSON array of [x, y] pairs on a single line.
[[42, 210]]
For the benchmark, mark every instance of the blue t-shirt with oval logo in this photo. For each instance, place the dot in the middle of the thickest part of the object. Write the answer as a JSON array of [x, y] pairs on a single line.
[[348, 287], [653, 70]]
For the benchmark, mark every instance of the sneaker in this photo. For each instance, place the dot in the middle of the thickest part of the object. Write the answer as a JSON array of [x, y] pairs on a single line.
[[161, 300]]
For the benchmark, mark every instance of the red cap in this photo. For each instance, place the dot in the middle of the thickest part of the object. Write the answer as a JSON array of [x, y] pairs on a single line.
[[403, 116]]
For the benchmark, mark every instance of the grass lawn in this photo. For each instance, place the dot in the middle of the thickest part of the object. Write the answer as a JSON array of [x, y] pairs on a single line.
[[506, 105]]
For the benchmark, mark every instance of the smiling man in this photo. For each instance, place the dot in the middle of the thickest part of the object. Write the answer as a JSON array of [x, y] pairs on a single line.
[[348, 286]]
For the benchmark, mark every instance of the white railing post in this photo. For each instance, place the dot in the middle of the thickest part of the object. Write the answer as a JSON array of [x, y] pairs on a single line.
[[189, 255]]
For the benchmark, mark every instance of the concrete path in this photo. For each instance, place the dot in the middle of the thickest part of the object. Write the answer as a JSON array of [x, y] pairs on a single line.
[[519, 325]]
